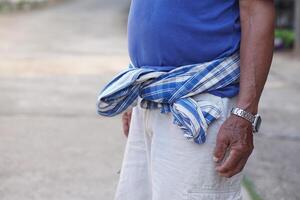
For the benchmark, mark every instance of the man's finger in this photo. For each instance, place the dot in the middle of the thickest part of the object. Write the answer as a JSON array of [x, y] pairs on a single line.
[[125, 122], [220, 149], [237, 169], [231, 162], [129, 118]]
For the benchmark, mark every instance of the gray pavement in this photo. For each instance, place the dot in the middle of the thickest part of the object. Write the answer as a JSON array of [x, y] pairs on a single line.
[[54, 146], [274, 166], [53, 63]]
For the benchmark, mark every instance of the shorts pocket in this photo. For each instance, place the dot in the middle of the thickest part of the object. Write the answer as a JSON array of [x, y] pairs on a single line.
[[214, 195]]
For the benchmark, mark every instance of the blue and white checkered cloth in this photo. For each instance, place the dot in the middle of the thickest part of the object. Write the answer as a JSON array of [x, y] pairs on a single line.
[[171, 89]]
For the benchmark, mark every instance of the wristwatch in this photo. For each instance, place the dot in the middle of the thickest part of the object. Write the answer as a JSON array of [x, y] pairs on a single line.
[[255, 120]]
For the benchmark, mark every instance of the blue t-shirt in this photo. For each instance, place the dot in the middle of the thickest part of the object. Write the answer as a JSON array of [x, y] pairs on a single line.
[[180, 32]]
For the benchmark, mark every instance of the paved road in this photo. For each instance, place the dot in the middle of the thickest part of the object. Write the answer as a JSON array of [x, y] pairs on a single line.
[[53, 62], [77, 37], [53, 146], [275, 164]]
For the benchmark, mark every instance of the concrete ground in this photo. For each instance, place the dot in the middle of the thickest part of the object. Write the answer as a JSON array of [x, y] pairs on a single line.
[[274, 165], [54, 146]]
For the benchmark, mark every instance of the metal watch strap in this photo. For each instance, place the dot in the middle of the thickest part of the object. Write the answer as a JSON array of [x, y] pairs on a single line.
[[241, 113]]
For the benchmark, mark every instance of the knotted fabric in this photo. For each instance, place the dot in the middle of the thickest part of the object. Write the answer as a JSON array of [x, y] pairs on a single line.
[[171, 89]]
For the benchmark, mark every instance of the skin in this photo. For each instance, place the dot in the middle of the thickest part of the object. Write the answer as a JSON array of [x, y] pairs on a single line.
[[126, 119], [235, 137]]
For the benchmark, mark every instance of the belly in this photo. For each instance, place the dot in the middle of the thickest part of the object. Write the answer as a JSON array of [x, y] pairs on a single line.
[[174, 33]]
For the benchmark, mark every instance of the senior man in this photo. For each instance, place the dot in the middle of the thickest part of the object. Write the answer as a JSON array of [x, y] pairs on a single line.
[[190, 96]]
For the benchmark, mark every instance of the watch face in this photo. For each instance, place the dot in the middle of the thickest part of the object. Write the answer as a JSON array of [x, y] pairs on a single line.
[[257, 123]]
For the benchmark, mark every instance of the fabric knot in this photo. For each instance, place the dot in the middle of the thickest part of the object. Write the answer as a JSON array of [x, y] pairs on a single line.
[[172, 91]]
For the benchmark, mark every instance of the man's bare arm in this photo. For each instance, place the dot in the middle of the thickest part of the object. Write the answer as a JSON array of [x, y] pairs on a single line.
[[257, 24], [257, 21]]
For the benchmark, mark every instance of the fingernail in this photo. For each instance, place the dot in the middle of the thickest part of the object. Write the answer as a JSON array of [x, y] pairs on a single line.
[[215, 159]]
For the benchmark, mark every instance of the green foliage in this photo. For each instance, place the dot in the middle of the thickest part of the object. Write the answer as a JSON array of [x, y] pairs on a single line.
[[251, 189], [287, 36]]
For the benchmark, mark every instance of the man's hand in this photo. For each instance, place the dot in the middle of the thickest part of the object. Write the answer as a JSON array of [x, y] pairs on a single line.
[[235, 138], [257, 39], [126, 118]]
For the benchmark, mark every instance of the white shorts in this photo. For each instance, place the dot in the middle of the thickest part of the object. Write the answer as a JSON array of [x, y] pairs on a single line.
[[161, 164]]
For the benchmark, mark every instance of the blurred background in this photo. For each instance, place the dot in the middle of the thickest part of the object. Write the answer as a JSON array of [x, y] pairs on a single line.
[[55, 55]]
